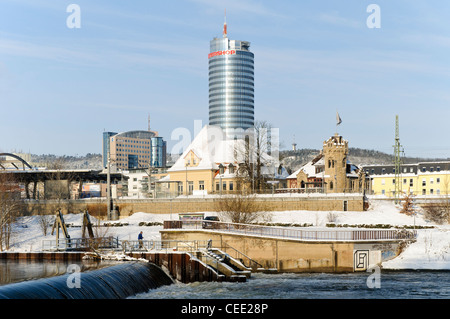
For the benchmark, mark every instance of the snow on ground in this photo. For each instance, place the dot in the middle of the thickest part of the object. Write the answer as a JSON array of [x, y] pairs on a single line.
[[430, 251]]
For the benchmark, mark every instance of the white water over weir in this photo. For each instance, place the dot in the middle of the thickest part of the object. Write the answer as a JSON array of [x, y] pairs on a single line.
[[114, 282]]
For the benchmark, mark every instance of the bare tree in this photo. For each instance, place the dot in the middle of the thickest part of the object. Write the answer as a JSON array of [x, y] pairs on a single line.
[[254, 154], [408, 205], [45, 221], [10, 206], [58, 184], [241, 208], [439, 212]]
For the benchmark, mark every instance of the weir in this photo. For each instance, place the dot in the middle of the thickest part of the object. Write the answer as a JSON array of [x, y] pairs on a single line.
[[114, 282]]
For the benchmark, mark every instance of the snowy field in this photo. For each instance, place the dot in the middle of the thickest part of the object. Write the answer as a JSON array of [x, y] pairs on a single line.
[[430, 251]]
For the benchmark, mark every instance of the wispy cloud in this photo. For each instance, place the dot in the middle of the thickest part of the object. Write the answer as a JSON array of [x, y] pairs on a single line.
[[114, 53], [335, 18]]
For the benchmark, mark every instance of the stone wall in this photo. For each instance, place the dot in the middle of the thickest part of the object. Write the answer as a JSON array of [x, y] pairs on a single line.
[[187, 205], [282, 254], [289, 255]]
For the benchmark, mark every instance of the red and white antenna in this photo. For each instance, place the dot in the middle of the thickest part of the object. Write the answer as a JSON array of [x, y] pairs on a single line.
[[225, 25]]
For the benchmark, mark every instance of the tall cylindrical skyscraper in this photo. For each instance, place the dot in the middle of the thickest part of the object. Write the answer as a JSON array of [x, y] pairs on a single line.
[[231, 84]]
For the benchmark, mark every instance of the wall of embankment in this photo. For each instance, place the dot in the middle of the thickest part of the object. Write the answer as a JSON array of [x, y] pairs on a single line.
[[289, 255], [325, 202]]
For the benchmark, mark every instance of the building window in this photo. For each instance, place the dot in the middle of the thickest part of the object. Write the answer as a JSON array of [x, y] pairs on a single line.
[[382, 181], [383, 192], [438, 180], [231, 169], [224, 186], [431, 191], [431, 180], [393, 181], [438, 169], [383, 171], [404, 181], [217, 187], [231, 186], [438, 191], [424, 182], [411, 182], [424, 191], [201, 185], [423, 169]]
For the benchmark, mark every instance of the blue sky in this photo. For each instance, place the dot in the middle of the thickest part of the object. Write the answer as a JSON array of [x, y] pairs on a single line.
[[60, 88]]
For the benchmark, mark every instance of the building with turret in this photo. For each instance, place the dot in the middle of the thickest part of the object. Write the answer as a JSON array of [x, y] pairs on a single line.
[[330, 171]]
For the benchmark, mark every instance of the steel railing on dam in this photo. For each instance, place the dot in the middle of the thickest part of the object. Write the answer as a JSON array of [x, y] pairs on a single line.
[[295, 233]]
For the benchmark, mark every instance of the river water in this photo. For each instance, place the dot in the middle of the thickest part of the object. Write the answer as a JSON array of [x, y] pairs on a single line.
[[389, 285], [386, 284], [12, 271]]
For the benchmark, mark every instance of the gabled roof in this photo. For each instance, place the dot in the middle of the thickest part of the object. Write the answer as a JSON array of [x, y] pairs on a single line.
[[212, 149]]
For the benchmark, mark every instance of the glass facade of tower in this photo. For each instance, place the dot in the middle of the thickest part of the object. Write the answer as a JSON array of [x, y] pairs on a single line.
[[231, 84]]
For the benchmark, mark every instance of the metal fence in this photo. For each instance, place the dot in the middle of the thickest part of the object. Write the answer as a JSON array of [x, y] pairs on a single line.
[[80, 243], [301, 234], [163, 245]]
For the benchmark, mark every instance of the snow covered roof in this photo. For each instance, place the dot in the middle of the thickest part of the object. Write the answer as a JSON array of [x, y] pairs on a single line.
[[212, 149]]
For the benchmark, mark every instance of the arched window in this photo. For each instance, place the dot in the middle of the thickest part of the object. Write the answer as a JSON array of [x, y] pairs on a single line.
[[331, 185]]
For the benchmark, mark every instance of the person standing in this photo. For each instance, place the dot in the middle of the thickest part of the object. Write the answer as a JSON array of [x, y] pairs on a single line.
[[141, 240]]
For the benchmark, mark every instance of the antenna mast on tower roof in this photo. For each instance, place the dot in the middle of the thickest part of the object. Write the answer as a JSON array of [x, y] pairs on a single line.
[[225, 25]]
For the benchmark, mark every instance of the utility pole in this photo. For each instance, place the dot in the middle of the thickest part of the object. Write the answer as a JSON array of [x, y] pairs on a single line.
[[397, 162], [108, 187]]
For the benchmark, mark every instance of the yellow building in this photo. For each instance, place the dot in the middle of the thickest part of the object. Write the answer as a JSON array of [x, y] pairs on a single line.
[[210, 164], [425, 178]]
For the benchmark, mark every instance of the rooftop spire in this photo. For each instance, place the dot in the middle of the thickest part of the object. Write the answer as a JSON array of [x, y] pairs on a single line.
[[225, 25]]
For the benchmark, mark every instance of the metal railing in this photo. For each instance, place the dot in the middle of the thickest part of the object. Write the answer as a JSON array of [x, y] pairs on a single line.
[[80, 243], [302, 234], [246, 260], [163, 245]]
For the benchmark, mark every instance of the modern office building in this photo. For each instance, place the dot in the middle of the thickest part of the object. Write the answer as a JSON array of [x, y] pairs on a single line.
[[231, 84], [134, 149]]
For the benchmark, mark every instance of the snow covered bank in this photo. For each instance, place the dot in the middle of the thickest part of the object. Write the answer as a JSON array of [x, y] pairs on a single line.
[[430, 251]]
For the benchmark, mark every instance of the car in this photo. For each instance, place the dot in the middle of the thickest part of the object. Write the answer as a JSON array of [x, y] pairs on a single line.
[[207, 222]]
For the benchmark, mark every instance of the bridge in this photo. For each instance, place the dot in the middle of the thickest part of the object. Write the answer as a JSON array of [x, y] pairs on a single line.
[[16, 160], [16, 169]]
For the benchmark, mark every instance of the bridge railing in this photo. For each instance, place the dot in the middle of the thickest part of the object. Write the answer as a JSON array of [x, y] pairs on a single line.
[[80, 243], [163, 245], [301, 234]]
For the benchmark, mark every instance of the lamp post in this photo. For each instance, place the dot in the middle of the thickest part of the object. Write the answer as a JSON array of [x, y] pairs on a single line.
[[108, 186]]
